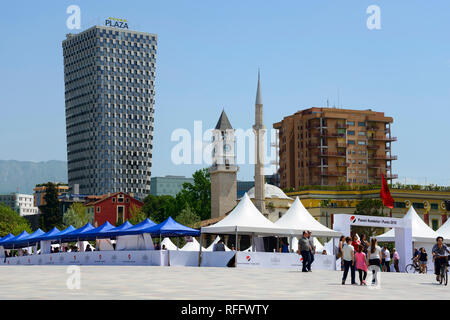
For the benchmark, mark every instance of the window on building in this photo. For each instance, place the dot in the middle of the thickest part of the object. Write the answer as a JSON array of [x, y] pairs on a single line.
[[114, 199], [435, 224], [351, 133], [418, 205], [120, 213], [361, 133], [351, 123], [98, 209], [434, 206], [362, 143], [351, 141], [120, 198], [361, 124]]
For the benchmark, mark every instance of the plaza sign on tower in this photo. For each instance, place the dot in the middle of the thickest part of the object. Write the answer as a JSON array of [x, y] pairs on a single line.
[[116, 22]]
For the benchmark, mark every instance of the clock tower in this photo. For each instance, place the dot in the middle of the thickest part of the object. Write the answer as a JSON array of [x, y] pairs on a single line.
[[223, 171]]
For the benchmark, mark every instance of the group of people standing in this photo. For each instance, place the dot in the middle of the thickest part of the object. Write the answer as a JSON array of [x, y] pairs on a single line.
[[307, 250], [360, 255]]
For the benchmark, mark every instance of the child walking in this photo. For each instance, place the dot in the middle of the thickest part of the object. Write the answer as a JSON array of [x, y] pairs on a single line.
[[361, 264]]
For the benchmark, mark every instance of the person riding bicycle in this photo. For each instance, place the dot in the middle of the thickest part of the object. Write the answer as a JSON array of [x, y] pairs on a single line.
[[439, 251]]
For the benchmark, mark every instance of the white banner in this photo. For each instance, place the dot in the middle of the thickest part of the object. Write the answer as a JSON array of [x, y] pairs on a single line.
[[267, 260], [144, 257], [183, 258], [216, 258]]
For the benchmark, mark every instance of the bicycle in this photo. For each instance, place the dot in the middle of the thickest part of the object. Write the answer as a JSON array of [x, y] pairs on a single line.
[[413, 267], [443, 277]]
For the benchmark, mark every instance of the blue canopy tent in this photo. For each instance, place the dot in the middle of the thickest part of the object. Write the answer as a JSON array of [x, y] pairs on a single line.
[[99, 232], [29, 240], [49, 235], [171, 228], [136, 229], [6, 238], [75, 235], [117, 230], [9, 244]]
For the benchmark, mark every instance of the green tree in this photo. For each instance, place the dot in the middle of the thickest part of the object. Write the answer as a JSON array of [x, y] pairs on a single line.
[[76, 216], [51, 215], [197, 195], [369, 207], [12, 222], [188, 218], [136, 215], [159, 208]]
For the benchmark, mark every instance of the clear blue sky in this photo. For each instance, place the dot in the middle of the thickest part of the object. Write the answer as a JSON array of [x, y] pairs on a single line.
[[208, 56]]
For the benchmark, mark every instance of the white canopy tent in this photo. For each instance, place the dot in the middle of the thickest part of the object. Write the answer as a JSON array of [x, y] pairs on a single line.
[[298, 218], [168, 244], [444, 231], [421, 232], [245, 218], [422, 235], [192, 246], [211, 247]]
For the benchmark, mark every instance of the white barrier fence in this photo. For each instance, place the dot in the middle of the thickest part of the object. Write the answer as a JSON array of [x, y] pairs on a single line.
[[282, 260], [174, 258], [145, 258]]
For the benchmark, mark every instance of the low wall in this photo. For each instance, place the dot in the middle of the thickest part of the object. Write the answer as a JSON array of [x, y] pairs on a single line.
[[144, 258]]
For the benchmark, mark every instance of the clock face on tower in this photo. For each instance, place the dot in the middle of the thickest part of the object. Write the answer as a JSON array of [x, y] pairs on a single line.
[[226, 147]]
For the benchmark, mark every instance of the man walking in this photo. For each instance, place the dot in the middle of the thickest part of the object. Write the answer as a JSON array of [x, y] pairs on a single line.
[[312, 252], [305, 248], [349, 260]]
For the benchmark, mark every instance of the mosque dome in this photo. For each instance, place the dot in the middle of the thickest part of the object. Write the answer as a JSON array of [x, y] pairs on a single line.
[[270, 192]]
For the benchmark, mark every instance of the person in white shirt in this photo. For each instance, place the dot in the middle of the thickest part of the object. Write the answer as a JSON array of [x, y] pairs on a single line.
[[348, 256], [374, 255], [387, 259]]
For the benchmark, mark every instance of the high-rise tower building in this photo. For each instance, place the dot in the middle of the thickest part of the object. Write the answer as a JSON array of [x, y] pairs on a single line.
[[109, 76], [331, 147], [259, 129]]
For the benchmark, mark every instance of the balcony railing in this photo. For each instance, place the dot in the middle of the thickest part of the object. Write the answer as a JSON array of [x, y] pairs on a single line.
[[314, 145], [382, 157], [373, 146], [377, 176], [341, 145], [382, 138], [332, 154], [333, 174]]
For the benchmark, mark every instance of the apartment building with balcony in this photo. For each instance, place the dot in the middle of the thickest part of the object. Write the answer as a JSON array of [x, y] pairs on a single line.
[[330, 147]]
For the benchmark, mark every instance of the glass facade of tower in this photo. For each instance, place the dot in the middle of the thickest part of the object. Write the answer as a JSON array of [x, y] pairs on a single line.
[[109, 78]]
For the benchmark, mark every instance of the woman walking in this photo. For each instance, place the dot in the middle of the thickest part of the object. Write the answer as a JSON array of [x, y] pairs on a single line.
[[340, 253], [396, 258], [374, 257], [361, 264]]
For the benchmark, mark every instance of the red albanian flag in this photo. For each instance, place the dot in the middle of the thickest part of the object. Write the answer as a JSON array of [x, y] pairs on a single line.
[[388, 201]]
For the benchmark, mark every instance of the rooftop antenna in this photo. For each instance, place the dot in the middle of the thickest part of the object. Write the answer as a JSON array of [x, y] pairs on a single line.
[[338, 97], [328, 104]]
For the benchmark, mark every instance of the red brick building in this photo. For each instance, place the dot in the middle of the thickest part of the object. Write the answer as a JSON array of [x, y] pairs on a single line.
[[113, 208]]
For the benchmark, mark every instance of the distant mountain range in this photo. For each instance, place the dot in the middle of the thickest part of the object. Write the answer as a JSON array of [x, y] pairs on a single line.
[[23, 176]]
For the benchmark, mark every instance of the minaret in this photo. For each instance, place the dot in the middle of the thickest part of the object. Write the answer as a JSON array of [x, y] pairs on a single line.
[[259, 129]]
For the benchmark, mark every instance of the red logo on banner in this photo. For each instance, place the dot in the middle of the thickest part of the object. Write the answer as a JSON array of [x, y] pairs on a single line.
[[74, 257], [352, 219], [248, 258], [100, 257], [129, 256]]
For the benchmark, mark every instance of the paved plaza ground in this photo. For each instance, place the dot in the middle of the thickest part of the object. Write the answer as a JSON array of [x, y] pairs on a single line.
[[140, 282]]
